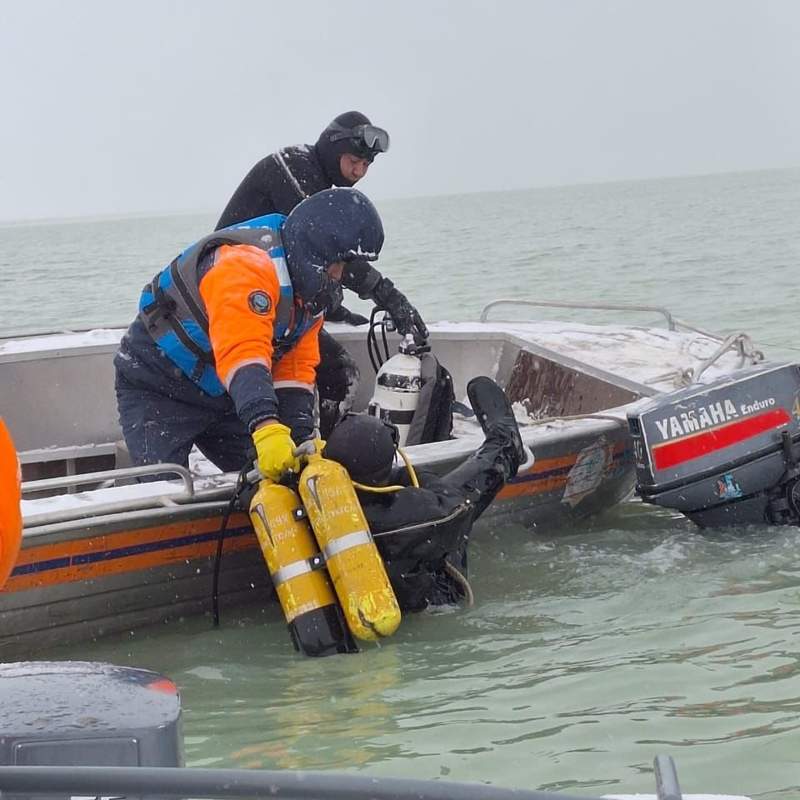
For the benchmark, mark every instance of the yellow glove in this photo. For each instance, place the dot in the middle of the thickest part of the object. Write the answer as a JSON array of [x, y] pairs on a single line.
[[275, 450]]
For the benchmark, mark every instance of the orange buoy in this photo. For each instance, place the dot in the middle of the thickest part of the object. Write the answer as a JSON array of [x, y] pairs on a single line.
[[10, 514]]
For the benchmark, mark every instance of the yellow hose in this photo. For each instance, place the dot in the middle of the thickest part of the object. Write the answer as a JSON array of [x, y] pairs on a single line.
[[412, 474]]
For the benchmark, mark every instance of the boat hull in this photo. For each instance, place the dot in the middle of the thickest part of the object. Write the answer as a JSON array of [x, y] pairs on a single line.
[[89, 568]]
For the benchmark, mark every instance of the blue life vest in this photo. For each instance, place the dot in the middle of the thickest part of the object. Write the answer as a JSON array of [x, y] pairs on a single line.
[[174, 313]]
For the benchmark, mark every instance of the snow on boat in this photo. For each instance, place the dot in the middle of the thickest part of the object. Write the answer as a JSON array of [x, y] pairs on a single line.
[[102, 553]]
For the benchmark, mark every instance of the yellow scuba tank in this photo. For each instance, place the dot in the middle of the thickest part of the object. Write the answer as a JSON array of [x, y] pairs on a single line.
[[351, 557], [296, 567]]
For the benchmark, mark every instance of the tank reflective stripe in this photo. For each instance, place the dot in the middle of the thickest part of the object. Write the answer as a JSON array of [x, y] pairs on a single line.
[[296, 568], [354, 539]]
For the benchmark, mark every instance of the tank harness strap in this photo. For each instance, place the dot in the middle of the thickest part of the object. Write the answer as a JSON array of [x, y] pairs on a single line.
[[297, 568], [337, 546], [161, 302], [197, 310], [164, 306]]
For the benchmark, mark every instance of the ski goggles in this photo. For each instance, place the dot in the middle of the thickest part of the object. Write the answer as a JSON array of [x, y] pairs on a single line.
[[367, 138]]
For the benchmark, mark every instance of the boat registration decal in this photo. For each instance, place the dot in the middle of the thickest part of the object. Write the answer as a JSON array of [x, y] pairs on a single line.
[[591, 466], [551, 474]]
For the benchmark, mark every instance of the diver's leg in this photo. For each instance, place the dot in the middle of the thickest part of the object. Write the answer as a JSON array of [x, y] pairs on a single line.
[[485, 473], [497, 460]]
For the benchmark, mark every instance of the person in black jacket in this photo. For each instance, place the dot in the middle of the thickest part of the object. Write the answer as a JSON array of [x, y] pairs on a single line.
[[422, 532], [276, 184]]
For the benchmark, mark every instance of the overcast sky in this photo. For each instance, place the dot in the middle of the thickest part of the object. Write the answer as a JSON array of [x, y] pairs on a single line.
[[114, 108]]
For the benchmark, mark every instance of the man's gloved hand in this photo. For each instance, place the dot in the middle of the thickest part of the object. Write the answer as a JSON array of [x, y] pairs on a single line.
[[406, 318], [275, 450], [342, 314]]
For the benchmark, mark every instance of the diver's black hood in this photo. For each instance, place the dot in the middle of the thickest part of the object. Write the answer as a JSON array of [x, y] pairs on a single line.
[[330, 153], [364, 446], [332, 225]]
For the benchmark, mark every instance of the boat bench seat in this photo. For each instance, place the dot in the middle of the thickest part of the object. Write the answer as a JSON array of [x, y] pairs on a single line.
[[54, 462]]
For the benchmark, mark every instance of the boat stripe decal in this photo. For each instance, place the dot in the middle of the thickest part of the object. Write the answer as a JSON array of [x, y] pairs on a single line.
[[124, 551], [537, 473], [131, 550], [151, 547], [41, 566], [670, 454], [550, 475]]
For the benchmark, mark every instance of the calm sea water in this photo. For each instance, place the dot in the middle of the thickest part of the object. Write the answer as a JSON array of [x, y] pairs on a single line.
[[588, 650]]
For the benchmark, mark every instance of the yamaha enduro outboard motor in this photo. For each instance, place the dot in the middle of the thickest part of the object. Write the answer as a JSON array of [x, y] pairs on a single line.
[[724, 453]]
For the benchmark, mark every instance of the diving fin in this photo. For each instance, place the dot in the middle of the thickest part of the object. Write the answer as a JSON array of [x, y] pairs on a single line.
[[493, 410]]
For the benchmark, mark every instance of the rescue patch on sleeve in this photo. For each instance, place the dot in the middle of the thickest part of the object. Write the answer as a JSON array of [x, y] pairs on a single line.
[[259, 302]]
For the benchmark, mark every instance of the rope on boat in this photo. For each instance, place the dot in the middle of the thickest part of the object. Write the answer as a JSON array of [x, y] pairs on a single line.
[[570, 417], [740, 342]]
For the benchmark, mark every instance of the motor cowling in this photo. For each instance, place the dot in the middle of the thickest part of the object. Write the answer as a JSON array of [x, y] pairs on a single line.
[[726, 452]]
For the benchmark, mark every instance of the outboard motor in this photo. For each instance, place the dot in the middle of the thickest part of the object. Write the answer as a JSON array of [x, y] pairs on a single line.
[[724, 453], [73, 713]]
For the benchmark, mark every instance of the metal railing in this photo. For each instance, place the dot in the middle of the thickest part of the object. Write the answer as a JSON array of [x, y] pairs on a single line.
[[671, 321], [122, 782], [107, 478]]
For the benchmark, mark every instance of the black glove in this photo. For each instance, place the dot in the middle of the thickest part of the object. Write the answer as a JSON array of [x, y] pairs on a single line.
[[342, 314], [406, 318]]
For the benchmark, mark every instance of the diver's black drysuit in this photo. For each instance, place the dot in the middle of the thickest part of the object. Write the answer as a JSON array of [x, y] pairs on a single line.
[[422, 533]]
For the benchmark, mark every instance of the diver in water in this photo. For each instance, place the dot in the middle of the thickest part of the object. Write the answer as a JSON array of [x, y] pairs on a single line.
[[341, 156], [422, 532], [224, 350]]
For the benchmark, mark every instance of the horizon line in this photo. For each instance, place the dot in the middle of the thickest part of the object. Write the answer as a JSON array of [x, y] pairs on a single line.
[[151, 214]]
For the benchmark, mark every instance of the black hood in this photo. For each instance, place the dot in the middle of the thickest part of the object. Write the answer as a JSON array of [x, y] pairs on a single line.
[[364, 446], [330, 153], [330, 226]]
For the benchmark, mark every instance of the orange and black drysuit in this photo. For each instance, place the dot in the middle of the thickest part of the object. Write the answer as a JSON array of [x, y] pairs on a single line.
[[227, 334]]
